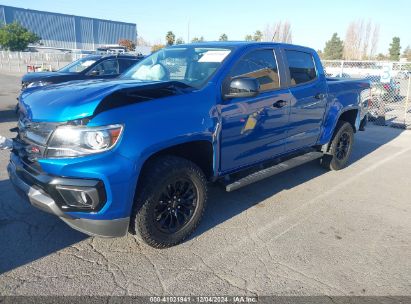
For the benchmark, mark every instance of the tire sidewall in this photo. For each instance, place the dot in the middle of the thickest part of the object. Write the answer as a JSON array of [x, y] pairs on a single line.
[[145, 219], [337, 164]]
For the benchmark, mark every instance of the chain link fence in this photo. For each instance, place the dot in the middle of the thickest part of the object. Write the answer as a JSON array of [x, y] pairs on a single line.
[[390, 102]]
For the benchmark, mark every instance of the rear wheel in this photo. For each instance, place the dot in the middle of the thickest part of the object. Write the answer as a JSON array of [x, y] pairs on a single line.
[[341, 147], [172, 201]]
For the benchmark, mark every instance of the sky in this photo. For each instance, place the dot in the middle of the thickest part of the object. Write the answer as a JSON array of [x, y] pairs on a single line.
[[313, 21]]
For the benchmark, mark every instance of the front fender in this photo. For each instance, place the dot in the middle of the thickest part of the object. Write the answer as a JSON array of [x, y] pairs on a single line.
[[155, 125]]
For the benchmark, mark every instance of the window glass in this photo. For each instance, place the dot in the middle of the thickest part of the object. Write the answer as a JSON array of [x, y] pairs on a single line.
[[107, 67], [260, 65], [302, 67], [78, 65], [190, 65], [125, 64]]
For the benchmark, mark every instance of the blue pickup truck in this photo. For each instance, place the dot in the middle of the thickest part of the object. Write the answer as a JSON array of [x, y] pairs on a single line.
[[136, 153]]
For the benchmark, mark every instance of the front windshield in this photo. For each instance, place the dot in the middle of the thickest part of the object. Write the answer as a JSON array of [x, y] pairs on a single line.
[[190, 65], [78, 66]]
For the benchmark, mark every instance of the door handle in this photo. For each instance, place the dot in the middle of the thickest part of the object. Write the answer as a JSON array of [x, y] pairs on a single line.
[[319, 96], [279, 104]]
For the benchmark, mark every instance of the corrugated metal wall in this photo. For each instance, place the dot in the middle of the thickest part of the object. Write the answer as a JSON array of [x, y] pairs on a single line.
[[67, 31], [2, 18], [85, 30]]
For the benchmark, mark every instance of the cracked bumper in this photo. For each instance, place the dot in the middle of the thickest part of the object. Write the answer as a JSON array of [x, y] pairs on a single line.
[[27, 185]]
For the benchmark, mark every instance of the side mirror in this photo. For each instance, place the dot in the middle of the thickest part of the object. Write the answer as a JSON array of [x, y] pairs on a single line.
[[242, 87]]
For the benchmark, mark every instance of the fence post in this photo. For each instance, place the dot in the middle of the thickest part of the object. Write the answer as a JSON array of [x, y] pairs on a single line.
[[407, 100], [342, 68]]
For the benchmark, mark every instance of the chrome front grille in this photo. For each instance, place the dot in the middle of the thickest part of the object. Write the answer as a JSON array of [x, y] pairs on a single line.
[[35, 132], [33, 138]]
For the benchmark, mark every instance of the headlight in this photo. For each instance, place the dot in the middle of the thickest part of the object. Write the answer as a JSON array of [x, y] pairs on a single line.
[[73, 141], [37, 84]]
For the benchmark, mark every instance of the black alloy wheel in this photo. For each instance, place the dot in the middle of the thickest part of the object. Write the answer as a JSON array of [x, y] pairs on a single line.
[[176, 206]]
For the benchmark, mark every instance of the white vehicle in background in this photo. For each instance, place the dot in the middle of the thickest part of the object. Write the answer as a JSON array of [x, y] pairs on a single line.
[[111, 49]]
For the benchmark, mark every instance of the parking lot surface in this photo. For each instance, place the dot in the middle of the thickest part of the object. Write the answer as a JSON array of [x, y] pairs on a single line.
[[303, 232]]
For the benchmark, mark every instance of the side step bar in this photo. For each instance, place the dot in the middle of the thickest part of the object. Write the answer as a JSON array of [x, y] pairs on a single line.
[[260, 175]]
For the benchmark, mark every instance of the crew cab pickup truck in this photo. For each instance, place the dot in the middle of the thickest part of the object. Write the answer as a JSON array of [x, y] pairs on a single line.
[[136, 153]]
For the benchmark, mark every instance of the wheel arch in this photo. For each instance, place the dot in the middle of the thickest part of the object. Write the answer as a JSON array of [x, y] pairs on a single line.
[[199, 151], [350, 116]]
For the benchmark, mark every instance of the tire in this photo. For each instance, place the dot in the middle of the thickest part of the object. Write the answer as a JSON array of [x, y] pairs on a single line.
[[173, 192], [340, 148]]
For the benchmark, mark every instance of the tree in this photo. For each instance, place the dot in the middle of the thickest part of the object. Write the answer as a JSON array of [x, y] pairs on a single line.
[[141, 41], [128, 44], [248, 38], [223, 37], [196, 39], [381, 57], [279, 32], [374, 40], [395, 49], [407, 53], [258, 36], [334, 48], [15, 37], [170, 38], [157, 47], [361, 40], [179, 40]]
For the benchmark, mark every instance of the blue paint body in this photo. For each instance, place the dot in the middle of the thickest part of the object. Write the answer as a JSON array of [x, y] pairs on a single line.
[[200, 114]]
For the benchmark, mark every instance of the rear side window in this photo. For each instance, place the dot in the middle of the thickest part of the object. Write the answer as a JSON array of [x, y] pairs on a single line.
[[302, 67], [260, 65]]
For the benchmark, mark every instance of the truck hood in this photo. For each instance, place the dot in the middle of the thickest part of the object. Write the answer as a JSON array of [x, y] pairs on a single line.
[[37, 76], [80, 99]]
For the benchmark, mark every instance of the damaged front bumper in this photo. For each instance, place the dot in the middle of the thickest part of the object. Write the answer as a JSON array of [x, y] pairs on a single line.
[[50, 194]]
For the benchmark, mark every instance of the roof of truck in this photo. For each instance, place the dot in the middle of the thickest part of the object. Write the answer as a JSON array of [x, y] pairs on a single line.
[[240, 44]]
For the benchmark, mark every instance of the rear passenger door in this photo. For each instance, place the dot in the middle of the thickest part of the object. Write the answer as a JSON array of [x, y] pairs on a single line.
[[308, 98]]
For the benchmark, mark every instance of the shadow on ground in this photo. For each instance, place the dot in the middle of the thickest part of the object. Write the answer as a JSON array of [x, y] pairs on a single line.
[[222, 205], [27, 234], [8, 115]]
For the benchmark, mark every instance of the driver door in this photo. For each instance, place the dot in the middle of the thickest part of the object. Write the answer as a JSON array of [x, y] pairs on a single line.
[[105, 69], [254, 129]]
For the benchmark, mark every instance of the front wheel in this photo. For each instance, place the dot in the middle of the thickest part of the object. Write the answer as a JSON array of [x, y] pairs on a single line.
[[171, 203], [341, 147]]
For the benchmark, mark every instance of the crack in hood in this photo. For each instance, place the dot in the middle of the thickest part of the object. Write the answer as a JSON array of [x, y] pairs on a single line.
[[80, 99]]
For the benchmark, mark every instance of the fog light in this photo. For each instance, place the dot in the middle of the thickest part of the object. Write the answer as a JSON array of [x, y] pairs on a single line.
[[79, 197]]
